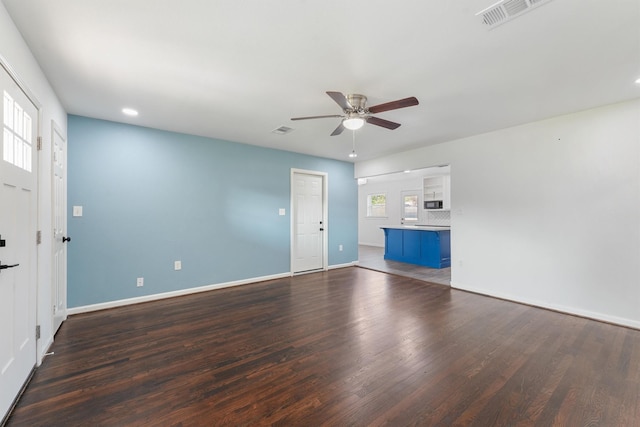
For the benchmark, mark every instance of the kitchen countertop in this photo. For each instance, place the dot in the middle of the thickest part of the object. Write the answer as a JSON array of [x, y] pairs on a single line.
[[418, 227]]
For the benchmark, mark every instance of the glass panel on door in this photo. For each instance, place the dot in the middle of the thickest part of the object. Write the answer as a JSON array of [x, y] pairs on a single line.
[[410, 205]]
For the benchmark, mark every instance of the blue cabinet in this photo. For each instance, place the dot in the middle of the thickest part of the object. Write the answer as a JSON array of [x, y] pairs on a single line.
[[429, 248]]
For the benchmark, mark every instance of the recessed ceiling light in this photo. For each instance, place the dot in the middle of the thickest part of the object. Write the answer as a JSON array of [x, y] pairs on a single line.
[[638, 81], [129, 111]]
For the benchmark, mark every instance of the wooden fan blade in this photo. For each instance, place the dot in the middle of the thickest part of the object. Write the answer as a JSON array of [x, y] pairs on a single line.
[[382, 122], [338, 130], [394, 105], [341, 100], [316, 117]]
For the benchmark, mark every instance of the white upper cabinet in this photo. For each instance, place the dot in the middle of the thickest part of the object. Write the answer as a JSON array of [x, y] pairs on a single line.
[[438, 188]]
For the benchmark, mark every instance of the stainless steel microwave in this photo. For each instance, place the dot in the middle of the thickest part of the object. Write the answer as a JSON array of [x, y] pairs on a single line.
[[433, 204]]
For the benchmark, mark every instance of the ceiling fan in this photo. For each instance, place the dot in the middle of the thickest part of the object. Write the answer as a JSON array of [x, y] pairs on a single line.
[[356, 113]]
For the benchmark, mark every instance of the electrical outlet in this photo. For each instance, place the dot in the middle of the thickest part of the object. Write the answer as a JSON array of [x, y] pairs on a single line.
[[340, 248], [177, 265], [140, 282]]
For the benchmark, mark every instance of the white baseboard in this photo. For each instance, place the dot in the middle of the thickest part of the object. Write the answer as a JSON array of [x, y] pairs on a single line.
[[377, 245], [349, 264], [181, 292], [42, 351], [621, 321]]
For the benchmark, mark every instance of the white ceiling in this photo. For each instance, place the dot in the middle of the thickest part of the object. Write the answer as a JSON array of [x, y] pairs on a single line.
[[237, 69]]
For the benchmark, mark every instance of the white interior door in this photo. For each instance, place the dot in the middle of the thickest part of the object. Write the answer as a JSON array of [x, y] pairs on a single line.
[[308, 222], [18, 223], [59, 190]]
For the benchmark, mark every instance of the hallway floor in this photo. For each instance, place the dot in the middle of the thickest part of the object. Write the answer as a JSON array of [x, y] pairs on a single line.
[[372, 257]]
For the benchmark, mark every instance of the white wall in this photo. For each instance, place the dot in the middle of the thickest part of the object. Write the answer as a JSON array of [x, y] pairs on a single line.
[[15, 52], [546, 213], [369, 232]]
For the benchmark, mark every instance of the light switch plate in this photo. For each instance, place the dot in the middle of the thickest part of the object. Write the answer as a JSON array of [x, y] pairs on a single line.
[[77, 211], [281, 212]]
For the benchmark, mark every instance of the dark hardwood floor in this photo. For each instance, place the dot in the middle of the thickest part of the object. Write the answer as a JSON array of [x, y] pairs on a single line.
[[345, 347]]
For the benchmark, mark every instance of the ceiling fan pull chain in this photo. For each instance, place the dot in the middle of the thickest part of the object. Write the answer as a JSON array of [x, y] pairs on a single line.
[[353, 152]]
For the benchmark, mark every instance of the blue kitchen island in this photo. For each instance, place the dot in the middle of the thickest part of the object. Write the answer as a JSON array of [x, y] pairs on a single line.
[[421, 245]]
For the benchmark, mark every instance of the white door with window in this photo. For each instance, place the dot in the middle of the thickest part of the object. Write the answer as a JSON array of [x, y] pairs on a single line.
[[18, 223], [308, 243], [410, 205], [59, 191]]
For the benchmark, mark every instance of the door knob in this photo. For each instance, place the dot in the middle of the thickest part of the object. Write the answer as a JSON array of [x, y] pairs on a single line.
[[4, 267], [66, 239]]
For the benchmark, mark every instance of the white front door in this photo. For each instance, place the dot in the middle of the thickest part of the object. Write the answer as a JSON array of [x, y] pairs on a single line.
[[308, 222], [18, 223], [59, 294]]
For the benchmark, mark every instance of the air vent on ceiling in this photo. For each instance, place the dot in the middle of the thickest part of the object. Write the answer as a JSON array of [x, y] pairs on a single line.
[[282, 130], [505, 10]]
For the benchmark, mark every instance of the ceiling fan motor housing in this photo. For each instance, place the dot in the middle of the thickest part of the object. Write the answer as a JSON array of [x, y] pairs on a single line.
[[358, 103]]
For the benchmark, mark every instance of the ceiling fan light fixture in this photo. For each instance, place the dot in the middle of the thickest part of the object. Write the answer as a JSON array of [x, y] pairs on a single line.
[[353, 123]]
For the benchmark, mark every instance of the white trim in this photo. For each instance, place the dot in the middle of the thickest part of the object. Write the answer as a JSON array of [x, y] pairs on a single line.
[[349, 264], [45, 348], [325, 215], [555, 307], [331, 267], [164, 295], [300, 273], [377, 245], [23, 87]]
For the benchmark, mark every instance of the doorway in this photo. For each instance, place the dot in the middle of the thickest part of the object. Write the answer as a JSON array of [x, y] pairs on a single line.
[[405, 193], [308, 221]]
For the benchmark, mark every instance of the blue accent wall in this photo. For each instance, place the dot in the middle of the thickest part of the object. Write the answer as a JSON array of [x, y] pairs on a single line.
[[152, 197]]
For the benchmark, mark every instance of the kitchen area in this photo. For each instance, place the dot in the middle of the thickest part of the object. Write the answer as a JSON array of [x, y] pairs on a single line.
[[404, 223]]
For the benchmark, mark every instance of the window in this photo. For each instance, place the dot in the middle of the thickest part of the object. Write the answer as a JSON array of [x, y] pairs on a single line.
[[377, 205], [16, 135]]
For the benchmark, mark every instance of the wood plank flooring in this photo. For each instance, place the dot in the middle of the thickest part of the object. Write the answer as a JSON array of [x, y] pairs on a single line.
[[348, 347]]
